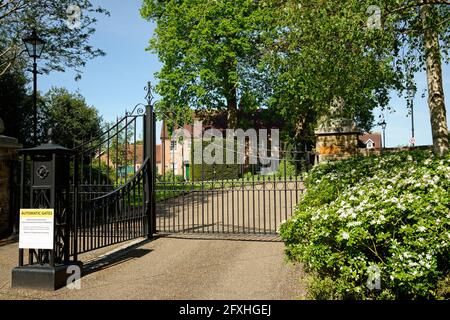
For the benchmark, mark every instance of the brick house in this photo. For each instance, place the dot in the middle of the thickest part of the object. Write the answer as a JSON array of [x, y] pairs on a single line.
[[370, 141]]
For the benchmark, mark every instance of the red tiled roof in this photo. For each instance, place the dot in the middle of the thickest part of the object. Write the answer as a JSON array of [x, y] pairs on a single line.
[[375, 137]]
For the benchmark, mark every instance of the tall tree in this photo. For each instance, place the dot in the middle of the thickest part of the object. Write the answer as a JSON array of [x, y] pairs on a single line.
[[422, 29], [208, 49], [71, 119], [359, 52], [66, 25], [320, 51]]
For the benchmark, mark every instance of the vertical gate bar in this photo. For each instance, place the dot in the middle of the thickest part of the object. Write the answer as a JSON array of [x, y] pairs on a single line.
[[164, 173], [223, 209], [292, 204], [232, 205], [154, 171], [99, 166], [144, 196], [123, 211], [83, 215], [101, 186], [192, 176], [104, 219], [125, 146], [285, 191], [264, 202], [108, 223], [212, 203], [164, 185], [173, 198], [114, 217], [94, 225], [182, 202], [128, 213], [141, 202], [259, 205], [149, 148], [280, 202], [107, 156], [253, 199], [123, 202], [182, 184], [116, 157], [192, 199], [90, 166], [82, 161], [249, 227], [270, 207], [135, 147], [243, 203], [133, 214], [172, 184], [75, 210], [118, 215], [274, 204], [228, 207], [203, 187]]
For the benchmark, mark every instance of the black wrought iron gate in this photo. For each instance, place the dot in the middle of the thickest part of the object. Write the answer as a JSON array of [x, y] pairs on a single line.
[[113, 183], [121, 185], [196, 196], [102, 191]]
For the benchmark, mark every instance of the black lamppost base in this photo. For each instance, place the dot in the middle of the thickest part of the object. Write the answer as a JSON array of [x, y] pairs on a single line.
[[40, 277]]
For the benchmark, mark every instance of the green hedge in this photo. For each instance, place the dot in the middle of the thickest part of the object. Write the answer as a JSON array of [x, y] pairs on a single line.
[[390, 212], [199, 172]]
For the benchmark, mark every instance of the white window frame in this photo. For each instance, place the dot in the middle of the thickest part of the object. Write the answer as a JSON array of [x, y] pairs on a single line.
[[370, 144]]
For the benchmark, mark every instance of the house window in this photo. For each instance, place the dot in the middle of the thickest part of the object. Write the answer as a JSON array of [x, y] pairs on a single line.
[[173, 145], [370, 144]]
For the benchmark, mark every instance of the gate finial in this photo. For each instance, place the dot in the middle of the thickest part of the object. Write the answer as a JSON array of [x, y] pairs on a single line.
[[149, 95]]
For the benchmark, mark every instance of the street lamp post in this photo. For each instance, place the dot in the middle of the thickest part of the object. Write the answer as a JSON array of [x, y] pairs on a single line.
[[411, 107], [34, 46], [383, 126]]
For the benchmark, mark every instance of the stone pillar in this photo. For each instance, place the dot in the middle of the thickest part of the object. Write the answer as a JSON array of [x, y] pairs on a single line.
[[337, 140], [8, 158]]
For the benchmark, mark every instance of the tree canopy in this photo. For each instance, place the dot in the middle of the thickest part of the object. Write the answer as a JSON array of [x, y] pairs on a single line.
[[296, 57], [16, 107], [209, 51], [71, 119], [67, 46]]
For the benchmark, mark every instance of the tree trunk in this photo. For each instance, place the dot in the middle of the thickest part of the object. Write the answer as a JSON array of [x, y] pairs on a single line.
[[232, 109], [436, 102]]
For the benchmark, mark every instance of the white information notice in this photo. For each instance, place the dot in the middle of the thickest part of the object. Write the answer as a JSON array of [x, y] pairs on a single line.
[[36, 229]]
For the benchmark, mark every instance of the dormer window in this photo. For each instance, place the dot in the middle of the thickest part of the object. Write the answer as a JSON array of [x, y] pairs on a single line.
[[370, 144]]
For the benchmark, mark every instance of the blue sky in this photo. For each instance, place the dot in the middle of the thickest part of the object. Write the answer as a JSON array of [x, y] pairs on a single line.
[[116, 82]]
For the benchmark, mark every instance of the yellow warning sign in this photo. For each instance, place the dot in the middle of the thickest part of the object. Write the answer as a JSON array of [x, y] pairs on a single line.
[[36, 213]]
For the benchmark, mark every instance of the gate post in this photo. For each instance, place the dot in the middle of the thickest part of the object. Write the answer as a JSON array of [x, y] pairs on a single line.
[[49, 189], [149, 152]]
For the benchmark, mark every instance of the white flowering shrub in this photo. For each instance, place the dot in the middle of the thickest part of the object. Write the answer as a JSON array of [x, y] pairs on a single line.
[[390, 212]]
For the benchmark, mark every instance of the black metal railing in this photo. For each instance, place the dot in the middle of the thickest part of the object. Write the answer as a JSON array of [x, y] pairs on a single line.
[[114, 217], [101, 190], [203, 198], [112, 184]]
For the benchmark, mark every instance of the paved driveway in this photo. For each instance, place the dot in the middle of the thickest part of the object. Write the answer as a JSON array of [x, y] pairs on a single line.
[[176, 268]]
